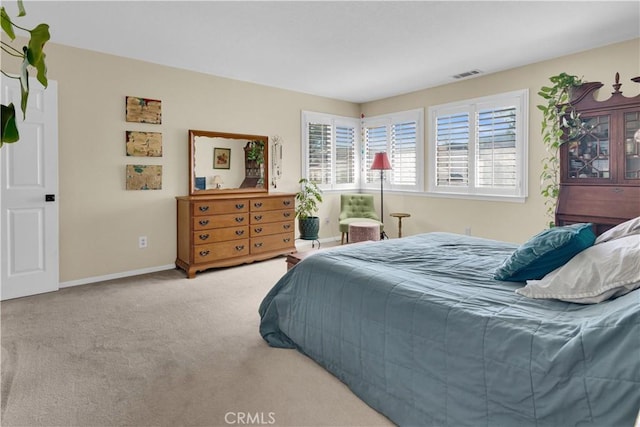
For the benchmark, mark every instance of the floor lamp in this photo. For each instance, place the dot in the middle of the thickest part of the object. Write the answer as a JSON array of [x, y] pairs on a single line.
[[381, 163]]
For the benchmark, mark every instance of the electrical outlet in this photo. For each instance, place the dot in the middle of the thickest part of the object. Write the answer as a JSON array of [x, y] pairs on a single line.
[[327, 221], [142, 242], [467, 231]]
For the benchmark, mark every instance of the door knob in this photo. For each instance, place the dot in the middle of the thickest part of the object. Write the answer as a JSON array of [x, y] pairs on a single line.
[[50, 198]]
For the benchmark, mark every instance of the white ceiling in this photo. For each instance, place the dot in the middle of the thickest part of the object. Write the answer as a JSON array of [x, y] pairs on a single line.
[[351, 50]]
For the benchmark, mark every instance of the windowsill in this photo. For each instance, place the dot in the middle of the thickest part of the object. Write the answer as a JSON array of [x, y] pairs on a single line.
[[440, 195], [486, 197]]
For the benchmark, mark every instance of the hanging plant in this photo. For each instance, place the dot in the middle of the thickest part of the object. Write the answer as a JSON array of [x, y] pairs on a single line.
[[31, 55], [560, 123]]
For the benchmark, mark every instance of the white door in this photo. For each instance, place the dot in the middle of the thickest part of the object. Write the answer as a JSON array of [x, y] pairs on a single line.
[[28, 195]]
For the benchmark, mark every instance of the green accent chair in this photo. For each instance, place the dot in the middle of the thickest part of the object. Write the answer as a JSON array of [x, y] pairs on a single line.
[[356, 208]]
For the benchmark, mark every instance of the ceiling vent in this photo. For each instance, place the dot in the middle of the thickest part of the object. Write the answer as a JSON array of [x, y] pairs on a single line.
[[467, 74]]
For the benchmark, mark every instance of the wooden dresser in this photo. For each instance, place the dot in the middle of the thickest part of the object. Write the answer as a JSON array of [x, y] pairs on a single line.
[[225, 230]]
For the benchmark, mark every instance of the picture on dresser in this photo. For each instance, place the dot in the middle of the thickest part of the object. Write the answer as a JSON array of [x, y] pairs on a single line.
[[144, 144], [144, 177], [221, 158], [143, 110]]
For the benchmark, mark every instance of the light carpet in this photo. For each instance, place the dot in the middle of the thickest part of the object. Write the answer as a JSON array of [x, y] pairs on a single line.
[[163, 350]]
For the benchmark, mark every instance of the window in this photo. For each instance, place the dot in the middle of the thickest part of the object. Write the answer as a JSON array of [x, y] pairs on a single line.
[[478, 147], [330, 150], [400, 135]]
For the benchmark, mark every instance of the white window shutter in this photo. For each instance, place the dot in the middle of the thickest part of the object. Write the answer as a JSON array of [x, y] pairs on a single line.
[[452, 150], [319, 153]]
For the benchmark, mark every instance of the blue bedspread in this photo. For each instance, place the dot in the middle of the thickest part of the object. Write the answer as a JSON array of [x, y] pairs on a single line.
[[418, 328]]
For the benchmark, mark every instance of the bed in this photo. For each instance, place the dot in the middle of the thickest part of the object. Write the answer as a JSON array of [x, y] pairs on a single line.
[[421, 330]]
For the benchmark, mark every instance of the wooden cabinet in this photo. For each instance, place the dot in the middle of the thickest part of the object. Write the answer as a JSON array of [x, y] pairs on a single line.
[[226, 230], [600, 169]]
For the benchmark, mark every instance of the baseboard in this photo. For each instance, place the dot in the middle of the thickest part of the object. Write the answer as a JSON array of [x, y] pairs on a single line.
[[300, 244], [95, 279]]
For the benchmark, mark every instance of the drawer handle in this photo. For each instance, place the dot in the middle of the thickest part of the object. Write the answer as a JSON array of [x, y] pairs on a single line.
[[239, 232], [286, 240], [257, 217], [286, 202], [239, 247], [204, 222], [239, 205], [258, 230], [204, 236], [286, 226], [204, 208], [287, 214], [258, 204], [239, 218], [258, 245], [204, 253], [617, 190]]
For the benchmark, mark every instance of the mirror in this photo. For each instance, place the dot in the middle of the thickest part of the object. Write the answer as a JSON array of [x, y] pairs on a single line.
[[221, 162]]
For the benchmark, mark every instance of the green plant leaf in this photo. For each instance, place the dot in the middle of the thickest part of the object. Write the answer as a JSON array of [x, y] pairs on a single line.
[[21, 8], [41, 67], [39, 37], [9, 127], [7, 26]]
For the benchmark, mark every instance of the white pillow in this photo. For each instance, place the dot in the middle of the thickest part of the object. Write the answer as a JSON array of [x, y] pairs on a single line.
[[627, 228], [603, 271]]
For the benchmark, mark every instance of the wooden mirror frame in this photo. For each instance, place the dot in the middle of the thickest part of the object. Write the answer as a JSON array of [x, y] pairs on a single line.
[[211, 134]]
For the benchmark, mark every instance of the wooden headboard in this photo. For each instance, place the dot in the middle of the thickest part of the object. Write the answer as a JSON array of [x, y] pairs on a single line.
[[600, 172]]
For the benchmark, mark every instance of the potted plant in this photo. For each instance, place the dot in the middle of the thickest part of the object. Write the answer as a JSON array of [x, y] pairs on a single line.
[[255, 159], [307, 200], [256, 151], [560, 123]]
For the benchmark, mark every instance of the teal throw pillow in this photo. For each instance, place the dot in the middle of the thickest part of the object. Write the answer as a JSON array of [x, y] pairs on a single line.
[[545, 252]]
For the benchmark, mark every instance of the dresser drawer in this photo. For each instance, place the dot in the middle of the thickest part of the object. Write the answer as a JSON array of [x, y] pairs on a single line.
[[272, 203], [220, 221], [218, 251], [213, 207], [271, 228], [272, 243], [220, 235], [271, 216]]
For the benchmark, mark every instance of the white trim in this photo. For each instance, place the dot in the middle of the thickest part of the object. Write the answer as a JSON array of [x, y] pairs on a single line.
[[113, 276], [521, 190], [332, 121], [388, 120], [487, 197]]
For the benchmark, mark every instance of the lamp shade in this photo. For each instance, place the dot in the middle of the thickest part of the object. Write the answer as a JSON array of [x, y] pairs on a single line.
[[380, 162]]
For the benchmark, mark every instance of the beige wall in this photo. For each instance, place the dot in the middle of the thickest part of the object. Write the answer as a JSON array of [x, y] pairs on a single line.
[[500, 220], [100, 221]]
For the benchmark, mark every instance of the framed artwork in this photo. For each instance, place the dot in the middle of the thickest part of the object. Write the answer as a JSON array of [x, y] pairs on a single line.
[[143, 110], [144, 177], [221, 158], [144, 144]]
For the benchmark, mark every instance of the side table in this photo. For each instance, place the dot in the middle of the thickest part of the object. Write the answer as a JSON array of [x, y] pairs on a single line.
[[400, 215]]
